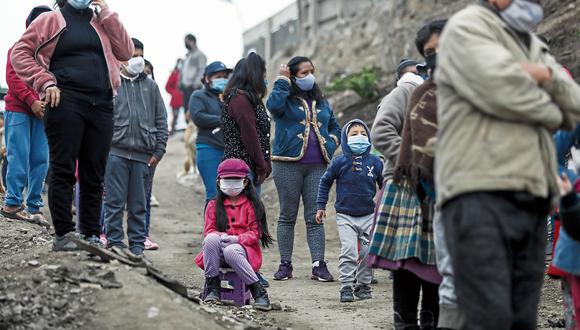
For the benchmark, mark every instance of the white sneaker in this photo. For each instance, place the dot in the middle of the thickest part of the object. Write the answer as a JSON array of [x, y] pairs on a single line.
[[154, 201]]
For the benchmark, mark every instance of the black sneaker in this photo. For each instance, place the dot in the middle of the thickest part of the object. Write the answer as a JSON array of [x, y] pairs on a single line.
[[320, 272], [363, 292], [213, 285], [284, 271], [260, 295], [64, 243], [346, 295]]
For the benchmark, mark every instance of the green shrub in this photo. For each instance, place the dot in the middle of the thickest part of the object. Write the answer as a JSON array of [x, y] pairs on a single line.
[[363, 83]]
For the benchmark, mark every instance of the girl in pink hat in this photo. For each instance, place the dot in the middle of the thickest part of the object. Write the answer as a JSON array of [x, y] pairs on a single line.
[[235, 225]]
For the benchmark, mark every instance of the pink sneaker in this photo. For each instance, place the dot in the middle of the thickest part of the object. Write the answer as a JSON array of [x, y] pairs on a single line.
[[103, 239], [150, 245]]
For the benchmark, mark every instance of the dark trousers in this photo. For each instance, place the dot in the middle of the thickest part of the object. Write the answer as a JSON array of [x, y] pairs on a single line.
[[496, 241], [187, 91], [407, 288], [79, 130]]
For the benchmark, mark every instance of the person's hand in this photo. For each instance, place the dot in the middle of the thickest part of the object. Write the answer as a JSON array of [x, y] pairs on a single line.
[[101, 3], [153, 162], [38, 109], [52, 96], [285, 71], [539, 72], [564, 184], [320, 216], [227, 240]]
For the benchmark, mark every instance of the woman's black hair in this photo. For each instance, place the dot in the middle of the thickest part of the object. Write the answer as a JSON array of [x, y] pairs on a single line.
[[248, 76], [315, 93], [259, 210], [60, 3]]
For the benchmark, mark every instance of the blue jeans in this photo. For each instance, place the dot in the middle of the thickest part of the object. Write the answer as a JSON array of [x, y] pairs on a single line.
[[258, 188], [27, 155], [149, 193], [208, 160], [126, 182]]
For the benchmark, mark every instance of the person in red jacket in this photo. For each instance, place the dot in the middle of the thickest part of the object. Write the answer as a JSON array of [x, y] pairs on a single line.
[[235, 224], [26, 145], [172, 87]]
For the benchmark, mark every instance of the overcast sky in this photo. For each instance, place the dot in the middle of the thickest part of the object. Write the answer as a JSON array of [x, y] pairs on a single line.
[[161, 26]]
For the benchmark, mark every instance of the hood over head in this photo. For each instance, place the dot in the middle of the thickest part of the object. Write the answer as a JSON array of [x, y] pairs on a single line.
[[344, 136]]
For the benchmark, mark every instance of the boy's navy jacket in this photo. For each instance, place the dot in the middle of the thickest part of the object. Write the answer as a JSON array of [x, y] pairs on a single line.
[[356, 179]]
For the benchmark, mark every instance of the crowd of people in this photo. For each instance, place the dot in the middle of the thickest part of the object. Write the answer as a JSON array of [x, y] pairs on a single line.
[[450, 188]]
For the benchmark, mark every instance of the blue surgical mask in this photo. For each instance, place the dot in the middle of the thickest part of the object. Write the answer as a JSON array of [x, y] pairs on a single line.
[[266, 82], [79, 4], [219, 84], [358, 144], [523, 16], [306, 83]]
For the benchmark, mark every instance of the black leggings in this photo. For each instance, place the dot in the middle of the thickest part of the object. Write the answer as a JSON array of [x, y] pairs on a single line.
[[407, 288], [77, 130]]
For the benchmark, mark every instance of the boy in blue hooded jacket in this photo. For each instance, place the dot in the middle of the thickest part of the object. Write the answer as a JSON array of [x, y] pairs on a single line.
[[357, 173]]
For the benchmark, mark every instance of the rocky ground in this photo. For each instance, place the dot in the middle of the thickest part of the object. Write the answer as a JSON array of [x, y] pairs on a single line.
[[43, 290]]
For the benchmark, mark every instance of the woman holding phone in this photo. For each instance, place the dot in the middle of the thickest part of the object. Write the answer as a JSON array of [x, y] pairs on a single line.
[[72, 57]]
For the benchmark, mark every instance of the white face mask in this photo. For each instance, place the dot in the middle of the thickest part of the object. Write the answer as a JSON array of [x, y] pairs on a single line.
[[522, 15], [135, 66], [232, 187]]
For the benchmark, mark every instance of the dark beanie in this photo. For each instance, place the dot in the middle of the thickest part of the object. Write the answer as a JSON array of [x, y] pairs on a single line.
[[426, 31], [405, 63], [35, 12]]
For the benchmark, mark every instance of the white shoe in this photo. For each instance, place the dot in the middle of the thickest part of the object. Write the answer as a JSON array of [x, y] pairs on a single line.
[[154, 201]]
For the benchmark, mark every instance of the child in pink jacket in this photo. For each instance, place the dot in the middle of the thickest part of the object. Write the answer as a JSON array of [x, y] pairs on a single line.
[[235, 224]]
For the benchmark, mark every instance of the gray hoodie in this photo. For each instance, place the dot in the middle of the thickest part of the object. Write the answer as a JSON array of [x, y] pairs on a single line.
[[140, 120], [388, 124]]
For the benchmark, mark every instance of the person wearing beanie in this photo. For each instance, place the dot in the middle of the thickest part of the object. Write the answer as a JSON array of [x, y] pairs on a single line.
[[405, 66], [26, 144], [501, 95]]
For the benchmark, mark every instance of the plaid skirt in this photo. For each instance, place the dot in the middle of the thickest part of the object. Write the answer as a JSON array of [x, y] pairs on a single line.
[[402, 230]]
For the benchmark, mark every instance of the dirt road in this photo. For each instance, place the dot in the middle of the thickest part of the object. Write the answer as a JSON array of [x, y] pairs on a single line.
[[82, 293]]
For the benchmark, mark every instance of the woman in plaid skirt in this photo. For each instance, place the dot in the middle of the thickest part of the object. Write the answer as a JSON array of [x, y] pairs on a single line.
[[403, 234]]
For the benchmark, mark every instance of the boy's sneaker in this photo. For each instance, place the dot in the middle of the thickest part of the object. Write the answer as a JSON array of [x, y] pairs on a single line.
[[154, 202], [346, 294], [284, 271], [150, 245], [320, 272], [262, 280], [64, 243], [363, 292]]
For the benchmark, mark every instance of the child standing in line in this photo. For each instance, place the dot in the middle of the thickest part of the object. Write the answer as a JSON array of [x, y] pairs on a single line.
[[357, 174], [235, 224]]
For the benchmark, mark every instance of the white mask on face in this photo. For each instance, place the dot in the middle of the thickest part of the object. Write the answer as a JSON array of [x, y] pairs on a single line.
[[522, 15], [135, 66], [232, 187]]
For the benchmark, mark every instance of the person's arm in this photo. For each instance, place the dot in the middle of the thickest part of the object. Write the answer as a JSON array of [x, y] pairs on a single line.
[[252, 235], [22, 58], [386, 130], [199, 114], [242, 111], [379, 169], [326, 182], [481, 71], [121, 43], [210, 222], [334, 129], [172, 83], [17, 87], [200, 64], [565, 92], [161, 124], [276, 102]]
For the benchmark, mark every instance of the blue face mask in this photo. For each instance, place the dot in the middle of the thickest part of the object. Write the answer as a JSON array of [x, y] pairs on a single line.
[[306, 83], [219, 84], [79, 4], [266, 82], [358, 144]]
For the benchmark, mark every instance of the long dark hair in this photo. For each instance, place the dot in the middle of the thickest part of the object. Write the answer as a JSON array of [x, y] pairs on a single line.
[[315, 93], [259, 210], [248, 76]]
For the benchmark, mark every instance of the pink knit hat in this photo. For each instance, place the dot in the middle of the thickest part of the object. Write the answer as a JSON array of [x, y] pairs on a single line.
[[233, 168]]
